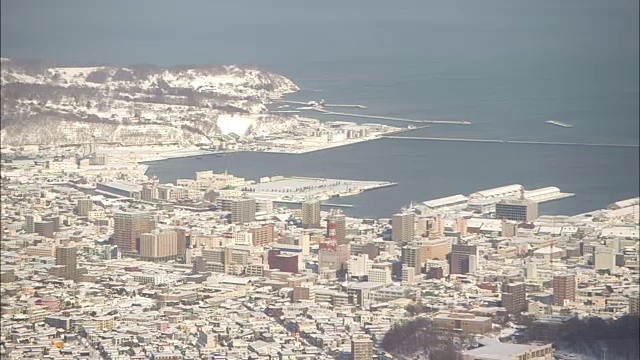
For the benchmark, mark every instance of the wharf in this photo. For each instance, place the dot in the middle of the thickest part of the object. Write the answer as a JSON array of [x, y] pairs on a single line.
[[402, 131], [526, 142], [455, 122], [439, 139], [337, 205], [324, 105]]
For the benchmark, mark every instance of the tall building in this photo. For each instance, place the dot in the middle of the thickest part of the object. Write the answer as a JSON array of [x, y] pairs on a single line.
[[311, 213], [437, 269], [403, 227], [532, 270], [517, 210], [127, 228], [337, 228], [304, 291], [183, 241], [84, 206], [262, 235], [359, 265], [508, 229], [436, 249], [67, 256], [380, 276], [459, 258], [412, 257], [334, 259], [160, 246], [514, 297], [44, 228], [408, 275], [30, 225], [604, 258], [564, 288], [361, 349], [634, 304], [55, 220], [436, 227], [243, 211], [282, 261], [461, 226]]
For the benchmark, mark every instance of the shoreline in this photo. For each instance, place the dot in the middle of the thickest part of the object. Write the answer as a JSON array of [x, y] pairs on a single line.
[[192, 152]]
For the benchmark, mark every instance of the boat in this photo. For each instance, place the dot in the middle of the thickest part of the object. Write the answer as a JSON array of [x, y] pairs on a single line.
[[199, 157], [559, 123], [220, 155]]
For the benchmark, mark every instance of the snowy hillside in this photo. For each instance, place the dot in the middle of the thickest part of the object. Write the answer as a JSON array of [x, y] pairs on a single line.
[[137, 104]]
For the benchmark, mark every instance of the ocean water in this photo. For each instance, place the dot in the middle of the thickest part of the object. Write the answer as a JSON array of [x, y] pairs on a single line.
[[506, 66]]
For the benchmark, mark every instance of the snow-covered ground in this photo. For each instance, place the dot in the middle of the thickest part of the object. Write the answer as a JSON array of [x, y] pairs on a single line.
[[235, 124], [137, 105]]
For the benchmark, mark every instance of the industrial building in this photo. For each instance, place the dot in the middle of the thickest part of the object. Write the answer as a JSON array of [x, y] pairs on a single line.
[[120, 188], [508, 191], [454, 201]]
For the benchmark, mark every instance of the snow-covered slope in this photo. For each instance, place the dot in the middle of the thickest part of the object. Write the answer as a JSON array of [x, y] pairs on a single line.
[[135, 104]]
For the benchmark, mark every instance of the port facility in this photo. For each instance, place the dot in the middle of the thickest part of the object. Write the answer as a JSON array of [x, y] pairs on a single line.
[[491, 196], [299, 189]]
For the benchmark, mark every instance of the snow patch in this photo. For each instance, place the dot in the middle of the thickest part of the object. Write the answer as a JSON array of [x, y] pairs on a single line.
[[234, 124]]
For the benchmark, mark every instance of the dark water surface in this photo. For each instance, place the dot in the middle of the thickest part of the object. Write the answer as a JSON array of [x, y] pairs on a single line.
[[505, 65]]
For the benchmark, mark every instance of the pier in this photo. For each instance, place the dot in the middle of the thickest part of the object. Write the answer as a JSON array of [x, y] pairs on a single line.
[[439, 139], [509, 141], [571, 144], [345, 105], [324, 105], [454, 122], [337, 205], [404, 130]]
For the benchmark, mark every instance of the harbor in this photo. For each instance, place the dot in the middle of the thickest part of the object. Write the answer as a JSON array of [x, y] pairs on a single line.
[[298, 189]]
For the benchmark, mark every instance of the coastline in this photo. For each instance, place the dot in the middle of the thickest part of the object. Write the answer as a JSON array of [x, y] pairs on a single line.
[[194, 151]]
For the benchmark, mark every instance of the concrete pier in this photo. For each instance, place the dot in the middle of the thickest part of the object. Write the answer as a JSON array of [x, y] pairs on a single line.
[[454, 122], [508, 141]]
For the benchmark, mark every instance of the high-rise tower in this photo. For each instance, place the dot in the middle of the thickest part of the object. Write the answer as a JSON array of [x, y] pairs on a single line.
[[311, 213], [127, 229]]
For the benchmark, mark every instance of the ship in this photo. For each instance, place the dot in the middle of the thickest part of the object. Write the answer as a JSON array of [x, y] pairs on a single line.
[[559, 123]]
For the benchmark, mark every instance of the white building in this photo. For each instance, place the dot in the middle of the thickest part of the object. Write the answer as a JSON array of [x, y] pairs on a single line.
[[359, 265], [408, 275], [604, 258], [380, 276], [243, 238]]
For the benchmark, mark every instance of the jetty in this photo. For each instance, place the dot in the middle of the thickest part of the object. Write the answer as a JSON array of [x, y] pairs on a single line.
[[454, 122], [320, 105], [439, 139], [509, 141], [337, 205], [405, 130]]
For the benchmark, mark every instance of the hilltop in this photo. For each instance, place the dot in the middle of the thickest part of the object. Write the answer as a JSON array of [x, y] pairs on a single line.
[[140, 104]]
